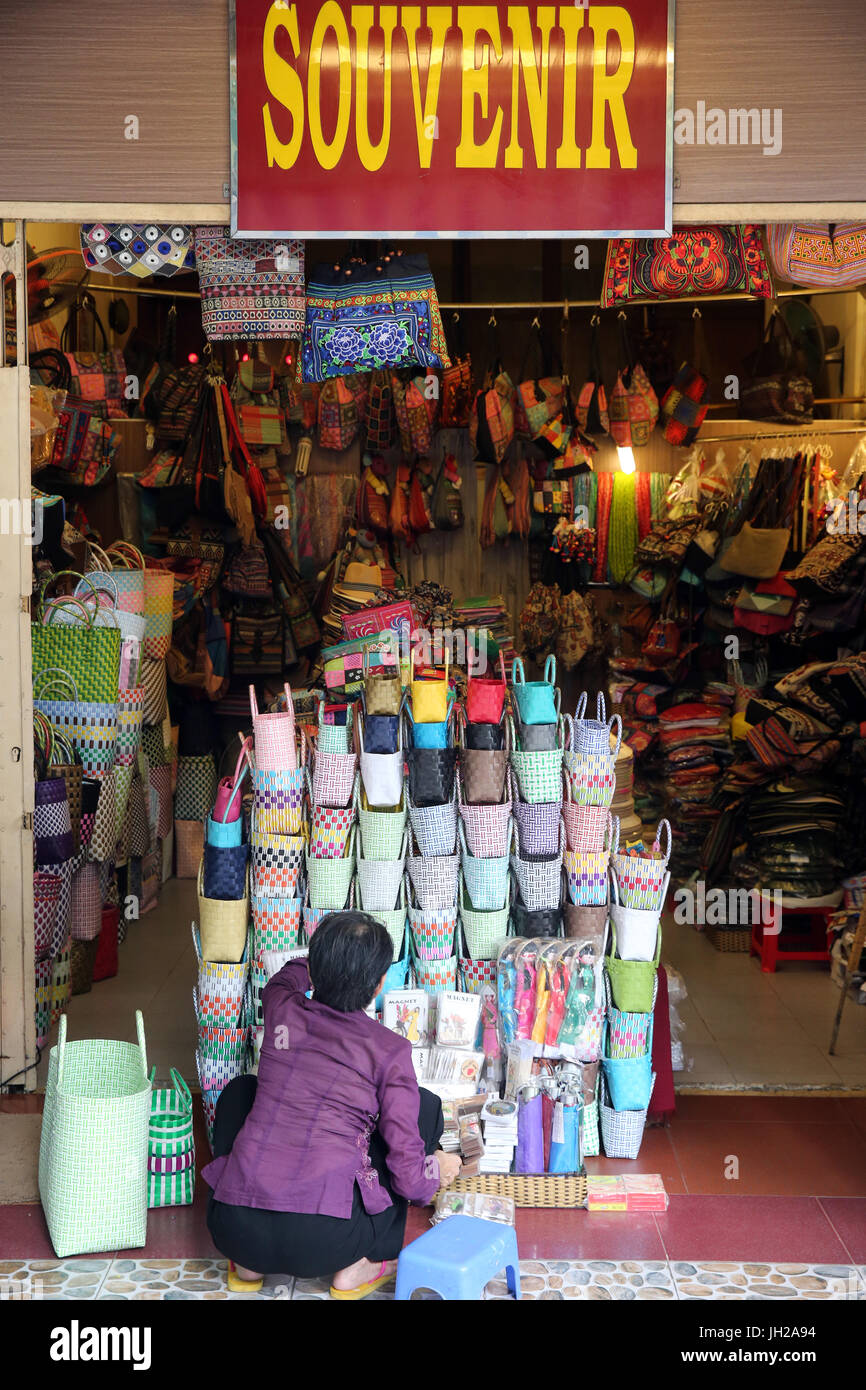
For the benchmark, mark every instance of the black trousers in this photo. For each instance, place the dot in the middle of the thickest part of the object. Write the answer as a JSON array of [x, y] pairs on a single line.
[[309, 1246]]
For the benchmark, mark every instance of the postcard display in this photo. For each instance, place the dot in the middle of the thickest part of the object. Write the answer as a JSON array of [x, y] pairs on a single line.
[[526, 939]]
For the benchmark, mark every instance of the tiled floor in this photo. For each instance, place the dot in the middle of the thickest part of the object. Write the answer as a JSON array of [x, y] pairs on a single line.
[[662, 1280], [743, 1030]]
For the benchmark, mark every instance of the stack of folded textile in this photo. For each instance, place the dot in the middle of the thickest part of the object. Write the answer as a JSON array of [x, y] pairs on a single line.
[[622, 804], [793, 833], [694, 742]]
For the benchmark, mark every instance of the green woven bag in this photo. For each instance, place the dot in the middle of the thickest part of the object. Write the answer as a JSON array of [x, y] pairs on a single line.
[[170, 1147], [93, 1149], [381, 831], [91, 655], [632, 982]]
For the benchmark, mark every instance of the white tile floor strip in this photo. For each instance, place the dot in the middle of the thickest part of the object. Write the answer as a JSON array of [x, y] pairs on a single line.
[[548, 1280]]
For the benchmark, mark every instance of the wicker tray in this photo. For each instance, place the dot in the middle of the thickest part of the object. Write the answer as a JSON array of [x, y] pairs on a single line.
[[528, 1189], [726, 939]]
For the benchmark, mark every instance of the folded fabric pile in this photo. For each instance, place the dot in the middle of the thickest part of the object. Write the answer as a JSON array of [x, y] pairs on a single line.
[[622, 804], [793, 832], [489, 612], [695, 748]]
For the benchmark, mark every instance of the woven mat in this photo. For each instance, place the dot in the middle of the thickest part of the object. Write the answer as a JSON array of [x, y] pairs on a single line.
[[19, 1158], [559, 1190]]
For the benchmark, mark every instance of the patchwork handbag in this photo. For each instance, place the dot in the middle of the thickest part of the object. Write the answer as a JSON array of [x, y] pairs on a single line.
[[338, 415], [170, 1144], [381, 767], [434, 827], [483, 931], [380, 413], [683, 407], [250, 289], [537, 701], [485, 880], [642, 879], [380, 830], [369, 316]]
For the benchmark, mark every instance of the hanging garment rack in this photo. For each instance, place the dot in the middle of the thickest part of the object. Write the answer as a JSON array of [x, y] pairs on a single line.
[[524, 306], [782, 433]]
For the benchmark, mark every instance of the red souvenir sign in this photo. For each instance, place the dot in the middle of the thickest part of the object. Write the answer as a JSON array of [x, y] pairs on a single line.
[[451, 120]]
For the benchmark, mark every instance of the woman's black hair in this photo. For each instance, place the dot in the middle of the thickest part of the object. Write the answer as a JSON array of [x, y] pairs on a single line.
[[349, 954]]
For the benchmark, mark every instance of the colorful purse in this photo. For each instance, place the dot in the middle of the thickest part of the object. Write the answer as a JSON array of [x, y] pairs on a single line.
[[537, 701], [684, 405], [818, 253], [124, 248], [591, 407], [338, 415], [692, 261], [250, 290], [372, 315]]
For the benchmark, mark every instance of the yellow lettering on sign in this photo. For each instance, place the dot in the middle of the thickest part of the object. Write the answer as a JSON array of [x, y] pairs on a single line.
[[372, 156], [284, 85], [330, 16], [609, 89], [523, 60], [475, 19], [439, 19], [571, 19]]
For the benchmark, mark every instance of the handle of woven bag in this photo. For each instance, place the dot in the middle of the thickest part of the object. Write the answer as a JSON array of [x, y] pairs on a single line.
[[550, 670], [66, 683], [68, 603], [60, 574], [600, 708], [657, 840], [254, 704], [580, 710], [510, 737], [612, 836], [568, 733], [461, 831], [123, 550], [516, 665], [142, 1045], [238, 780], [615, 719], [43, 735], [103, 584], [61, 743], [102, 561]]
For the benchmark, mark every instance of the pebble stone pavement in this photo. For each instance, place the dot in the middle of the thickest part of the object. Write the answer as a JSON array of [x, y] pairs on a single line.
[[540, 1279]]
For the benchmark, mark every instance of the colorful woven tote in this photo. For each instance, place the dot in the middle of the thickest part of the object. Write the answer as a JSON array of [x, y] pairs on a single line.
[[93, 1149], [170, 1145]]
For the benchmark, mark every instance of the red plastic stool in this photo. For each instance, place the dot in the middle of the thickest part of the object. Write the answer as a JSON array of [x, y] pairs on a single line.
[[809, 943]]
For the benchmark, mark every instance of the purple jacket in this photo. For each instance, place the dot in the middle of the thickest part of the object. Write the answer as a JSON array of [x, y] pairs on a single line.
[[326, 1080]]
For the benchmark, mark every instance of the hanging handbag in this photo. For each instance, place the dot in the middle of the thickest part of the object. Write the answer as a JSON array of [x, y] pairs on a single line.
[[714, 260], [380, 419], [338, 415], [123, 248], [456, 392], [447, 505], [591, 407], [684, 405], [258, 644], [776, 386], [491, 424], [632, 982], [818, 253], [369, 315], [540, 398], [413, 420], [227, 801], [250, 289], [97, 378]]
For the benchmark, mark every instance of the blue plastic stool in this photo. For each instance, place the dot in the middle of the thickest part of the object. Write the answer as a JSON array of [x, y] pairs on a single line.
[[457, 1258]]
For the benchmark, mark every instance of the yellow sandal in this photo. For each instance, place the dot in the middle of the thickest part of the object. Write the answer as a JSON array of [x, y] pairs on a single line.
[[237, 1285], [364, 1289]]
